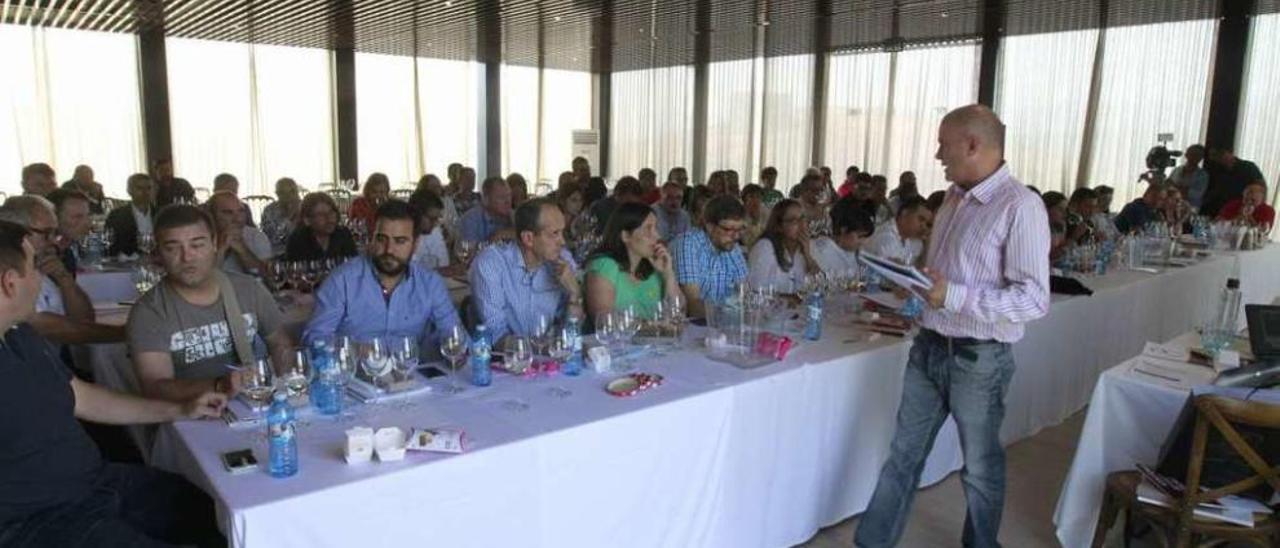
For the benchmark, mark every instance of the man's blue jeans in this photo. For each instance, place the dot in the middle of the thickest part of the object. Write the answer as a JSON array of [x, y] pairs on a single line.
[[967, 381]]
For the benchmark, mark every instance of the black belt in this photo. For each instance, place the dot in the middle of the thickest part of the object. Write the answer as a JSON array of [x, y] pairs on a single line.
[[955, 341]]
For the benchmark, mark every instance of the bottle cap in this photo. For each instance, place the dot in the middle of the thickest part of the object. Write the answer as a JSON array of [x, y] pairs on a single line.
[[1233, 283]]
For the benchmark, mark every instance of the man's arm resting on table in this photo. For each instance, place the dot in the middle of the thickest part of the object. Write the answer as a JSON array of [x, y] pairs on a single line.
[[64, 330], [696, 307], [155, 377], [97, 404]]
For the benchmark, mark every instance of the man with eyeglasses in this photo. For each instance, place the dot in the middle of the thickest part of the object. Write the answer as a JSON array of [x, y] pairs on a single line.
[[513, 283], [709, 263], [64, 313]]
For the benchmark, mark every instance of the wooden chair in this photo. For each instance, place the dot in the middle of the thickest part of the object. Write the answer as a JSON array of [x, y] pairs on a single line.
[[1179, 527]]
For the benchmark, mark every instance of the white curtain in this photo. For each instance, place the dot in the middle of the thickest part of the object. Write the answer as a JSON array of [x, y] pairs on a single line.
[[857, 111], [1155, 79], [69, 98], [787, 118], [449, 97], [1044, 104], [566, 106], [256, 112], [386, 128], [1259, 136], [927, 83], [651, 120], [520, 120], [734, 92]]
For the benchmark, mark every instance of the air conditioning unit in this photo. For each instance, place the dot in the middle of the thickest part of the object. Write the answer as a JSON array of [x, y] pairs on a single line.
[[586, 143]]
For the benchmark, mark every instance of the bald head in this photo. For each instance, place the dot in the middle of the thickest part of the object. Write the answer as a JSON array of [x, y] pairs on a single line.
[[970, 144]]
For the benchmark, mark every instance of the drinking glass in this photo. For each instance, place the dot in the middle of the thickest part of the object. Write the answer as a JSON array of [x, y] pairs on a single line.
[[630, 324], [607, 328], [542, 332], [146, 243], [257, 382], [279, 274], [374, 359], [465, 250], [406, 356], [297, 380], [519, 354], [454, 347], [559, 349]]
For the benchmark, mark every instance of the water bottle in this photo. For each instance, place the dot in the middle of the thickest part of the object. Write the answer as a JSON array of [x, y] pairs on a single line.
[[573, 336], [481, 375], [813, 323], [1228, 311], [326, 389], [912, 308], [283, 445]]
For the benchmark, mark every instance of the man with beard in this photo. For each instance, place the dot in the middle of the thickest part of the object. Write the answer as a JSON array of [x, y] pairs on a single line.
[[415, 302], [179, 332]]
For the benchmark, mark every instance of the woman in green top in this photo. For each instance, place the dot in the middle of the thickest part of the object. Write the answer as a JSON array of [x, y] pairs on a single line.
[[631, 268]]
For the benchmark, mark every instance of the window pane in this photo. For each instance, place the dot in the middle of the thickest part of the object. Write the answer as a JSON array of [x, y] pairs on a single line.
[[1044, 105], [566, 106], [209, 109], [519, 120], [1146, 89], [295, 118], [928, 83], [857, 110], [788, 116], [386, 132], [1259, 137], [733, 131], [652, 120], [64, 90], [449, 96]]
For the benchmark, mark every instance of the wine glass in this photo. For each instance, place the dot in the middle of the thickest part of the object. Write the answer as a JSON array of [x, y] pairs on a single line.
[[257, 382], [374, 359], [297, 380], [519, 354], [146, 243], [454, 347], [542, 332], [406, 356], [465, 250], [630, 324], [295, 270], [279, 274], [558, 349], [607, 329], [144, 278]]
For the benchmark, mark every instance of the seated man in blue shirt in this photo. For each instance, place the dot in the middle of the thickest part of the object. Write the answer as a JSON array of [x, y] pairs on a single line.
[[384, 293], [512, 283], [491, 221], [1137, 214], [709, 262]]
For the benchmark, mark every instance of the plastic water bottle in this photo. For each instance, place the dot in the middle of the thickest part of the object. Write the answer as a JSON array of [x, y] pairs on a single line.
[[573, 336], [1228, 311], [481, 375], [913, 307], [813, 323], [283, 443], [326, 390]]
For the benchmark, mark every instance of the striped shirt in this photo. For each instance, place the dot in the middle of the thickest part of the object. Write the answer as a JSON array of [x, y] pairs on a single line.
[[509, 296], [991, 243]]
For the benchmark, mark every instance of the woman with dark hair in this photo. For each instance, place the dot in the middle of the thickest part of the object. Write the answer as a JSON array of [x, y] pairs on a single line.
[[320, 236], [595, 191], [782, 258], [850, 226], [376, 190], [631, 267]]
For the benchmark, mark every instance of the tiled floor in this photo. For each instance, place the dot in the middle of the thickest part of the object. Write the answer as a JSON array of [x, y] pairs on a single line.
[[1036, 469]]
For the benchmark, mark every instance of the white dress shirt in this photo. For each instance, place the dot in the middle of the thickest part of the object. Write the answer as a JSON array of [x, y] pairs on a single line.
[[832, 259], [258, 244], [432, 253], [763, 269], [888, 243], [142, 219]]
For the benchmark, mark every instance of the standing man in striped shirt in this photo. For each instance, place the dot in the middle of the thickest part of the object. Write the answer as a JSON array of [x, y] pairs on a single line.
[[988, 259]]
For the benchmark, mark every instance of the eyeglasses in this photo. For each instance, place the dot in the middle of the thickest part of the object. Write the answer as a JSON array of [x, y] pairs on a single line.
[[730, 230]]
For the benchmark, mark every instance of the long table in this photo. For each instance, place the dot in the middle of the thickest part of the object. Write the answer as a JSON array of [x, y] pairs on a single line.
[[716, 456]]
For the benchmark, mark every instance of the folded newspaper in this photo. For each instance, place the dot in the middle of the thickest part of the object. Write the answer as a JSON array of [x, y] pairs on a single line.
[[906, 276]]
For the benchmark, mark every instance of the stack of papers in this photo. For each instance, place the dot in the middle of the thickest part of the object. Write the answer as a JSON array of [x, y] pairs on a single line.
[[906, 276], [1230, 509], [364, 392]]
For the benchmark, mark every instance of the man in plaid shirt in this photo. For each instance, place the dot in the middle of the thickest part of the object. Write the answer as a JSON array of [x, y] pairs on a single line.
[[709, 262]]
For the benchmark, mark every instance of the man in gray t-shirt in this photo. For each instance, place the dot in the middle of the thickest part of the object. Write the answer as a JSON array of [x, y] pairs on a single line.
[[197, 338], [179, 336]]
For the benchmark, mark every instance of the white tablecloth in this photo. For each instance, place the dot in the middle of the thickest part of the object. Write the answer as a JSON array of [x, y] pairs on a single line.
[[1130, 416], [108, 286], [715, 457]]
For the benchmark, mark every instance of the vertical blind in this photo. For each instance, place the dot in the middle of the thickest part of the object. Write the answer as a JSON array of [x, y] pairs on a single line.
[[733, 107], [1044, 104], [257, 112], [68, 98], [449, 102], [520, 100], [787, 129], [566, 106], [651, 120], [386, 131], [1259, 136], [857, 110]]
